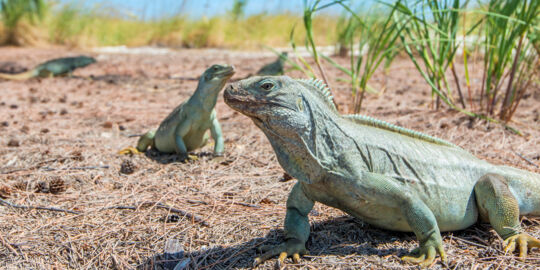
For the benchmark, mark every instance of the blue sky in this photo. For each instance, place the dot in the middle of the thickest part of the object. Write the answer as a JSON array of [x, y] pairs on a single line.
[[148, 9]]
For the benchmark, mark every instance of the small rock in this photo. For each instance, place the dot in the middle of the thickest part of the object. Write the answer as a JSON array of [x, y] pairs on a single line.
[[108, 124], [5, 123], [77, 155], [63, 112], [121, 128], [127, 167], [13, 106], [42, 187], [25, 129], [13, 143], [45, 130], [172, 218], [63, 99]]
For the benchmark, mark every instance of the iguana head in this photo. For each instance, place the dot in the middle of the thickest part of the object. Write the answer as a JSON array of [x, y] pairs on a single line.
[[295, 115], [82, 61], [214, 78], [217, 74], [280, 102]]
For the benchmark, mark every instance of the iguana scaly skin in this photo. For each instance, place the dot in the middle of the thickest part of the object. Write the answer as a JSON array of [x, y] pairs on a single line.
[[274, 68], [386, 175], [185, 129], [52, 68]]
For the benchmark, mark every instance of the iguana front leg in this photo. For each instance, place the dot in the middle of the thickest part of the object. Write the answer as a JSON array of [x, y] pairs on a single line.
[[296, 228], [497, 204], [217, 135], [144, 142], [182, 130]]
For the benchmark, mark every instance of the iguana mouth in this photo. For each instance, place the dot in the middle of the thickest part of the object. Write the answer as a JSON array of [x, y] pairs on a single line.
[[227, 73]]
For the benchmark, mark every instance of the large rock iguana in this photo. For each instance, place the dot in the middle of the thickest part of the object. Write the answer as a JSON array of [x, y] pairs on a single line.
[[185, 128], [388, 176]]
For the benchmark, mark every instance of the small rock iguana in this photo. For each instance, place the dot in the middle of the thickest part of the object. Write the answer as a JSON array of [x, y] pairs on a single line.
[[274, 68], [388, 176], [185, 127], [55, 67]]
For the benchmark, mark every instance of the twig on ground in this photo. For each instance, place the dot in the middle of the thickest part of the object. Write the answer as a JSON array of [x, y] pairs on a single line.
[[247, 204], [7, 245], [133, 135], [38, 165], [473, 243], [28, 207], [162, 206], [526, 159], [77, 168]]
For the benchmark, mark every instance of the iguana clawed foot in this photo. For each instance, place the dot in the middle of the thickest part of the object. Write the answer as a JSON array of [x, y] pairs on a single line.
[[187, 158], [523, 241], [129, 151], [425, 254], [291, 248]]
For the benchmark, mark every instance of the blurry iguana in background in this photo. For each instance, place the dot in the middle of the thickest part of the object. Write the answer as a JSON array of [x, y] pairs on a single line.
[[52, 68], [275, 68], [185, 128]]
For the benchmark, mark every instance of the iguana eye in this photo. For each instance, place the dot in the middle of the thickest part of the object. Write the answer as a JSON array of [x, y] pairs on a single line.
[[267, 86]]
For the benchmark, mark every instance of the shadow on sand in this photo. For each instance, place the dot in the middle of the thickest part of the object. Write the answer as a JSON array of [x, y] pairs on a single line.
[[339, 236]]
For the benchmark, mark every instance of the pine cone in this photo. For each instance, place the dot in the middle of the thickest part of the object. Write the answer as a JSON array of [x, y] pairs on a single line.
[[127, 167], [5, 192], [57, 185]]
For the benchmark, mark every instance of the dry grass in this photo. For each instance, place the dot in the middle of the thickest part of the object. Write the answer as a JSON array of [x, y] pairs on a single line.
[[71, 128]]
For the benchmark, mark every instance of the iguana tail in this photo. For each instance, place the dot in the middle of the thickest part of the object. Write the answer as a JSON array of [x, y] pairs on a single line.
[[146, 140], [20, 76]]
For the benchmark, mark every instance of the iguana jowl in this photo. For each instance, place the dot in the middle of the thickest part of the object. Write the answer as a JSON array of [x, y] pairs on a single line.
[[386, 175], [52, 68], [185, 129]]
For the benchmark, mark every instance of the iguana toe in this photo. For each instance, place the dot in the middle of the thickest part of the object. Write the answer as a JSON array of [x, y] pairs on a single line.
[[291, 248], [129, 151], [425, 256], [523, 241]]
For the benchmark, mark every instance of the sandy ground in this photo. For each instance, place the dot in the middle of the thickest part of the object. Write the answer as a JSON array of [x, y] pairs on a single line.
[[58, 148]]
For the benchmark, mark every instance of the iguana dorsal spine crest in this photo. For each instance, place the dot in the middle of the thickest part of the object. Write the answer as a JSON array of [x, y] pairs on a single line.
[[323, 89], [373, 122]]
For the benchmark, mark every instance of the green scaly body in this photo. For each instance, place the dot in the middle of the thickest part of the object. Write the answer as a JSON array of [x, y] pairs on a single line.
[[388, 176]]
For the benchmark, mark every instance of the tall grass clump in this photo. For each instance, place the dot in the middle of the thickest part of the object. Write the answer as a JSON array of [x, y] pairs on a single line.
[[504, 31], [431, 37], [369, 37], [13, 12], [510, 59]]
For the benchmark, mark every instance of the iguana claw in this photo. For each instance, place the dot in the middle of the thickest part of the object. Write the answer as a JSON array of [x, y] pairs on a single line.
[[129, 151], [292, 248], [425, 255], [524, 241]]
